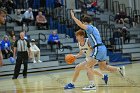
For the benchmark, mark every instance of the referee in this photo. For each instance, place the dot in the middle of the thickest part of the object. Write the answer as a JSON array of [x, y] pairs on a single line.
[[22, 47]]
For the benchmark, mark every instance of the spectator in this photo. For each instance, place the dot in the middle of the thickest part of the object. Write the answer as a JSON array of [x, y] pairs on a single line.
[[6, 47], [35, 51], [10, 6], [28, 16], [41, 21], [53, 40], [11, 34], [118, 19], [92, 6], [117, 36], [58, 7], [12, 41], [25, 35], [18, 18], [117, 33], [126, 35], [123, 16]]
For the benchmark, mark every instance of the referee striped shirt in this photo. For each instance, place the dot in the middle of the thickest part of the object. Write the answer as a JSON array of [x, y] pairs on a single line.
[[22, 45]]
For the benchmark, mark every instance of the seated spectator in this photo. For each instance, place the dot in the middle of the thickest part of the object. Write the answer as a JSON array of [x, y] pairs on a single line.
[[28, 16], [10, 6], [123, 16], [41, 21], [93, 6], [58, 7], [6, 47], [18, 18], [12, 41], [117, 36], [25, 35], [126, 35], [118, 19], [53, 40], [35, 52]]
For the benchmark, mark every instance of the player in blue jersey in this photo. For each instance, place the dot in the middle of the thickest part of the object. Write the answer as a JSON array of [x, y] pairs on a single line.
[[99, 53]]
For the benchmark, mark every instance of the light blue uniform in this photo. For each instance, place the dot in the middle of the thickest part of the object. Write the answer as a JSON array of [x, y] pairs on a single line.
[[100, 52]]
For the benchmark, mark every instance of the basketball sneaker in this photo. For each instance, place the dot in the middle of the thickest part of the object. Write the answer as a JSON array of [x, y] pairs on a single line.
[[90, 87], [69, 86], [122, 71], [105, 79]]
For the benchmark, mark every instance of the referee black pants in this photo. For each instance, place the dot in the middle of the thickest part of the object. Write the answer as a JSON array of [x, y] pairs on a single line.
[[22, 57]]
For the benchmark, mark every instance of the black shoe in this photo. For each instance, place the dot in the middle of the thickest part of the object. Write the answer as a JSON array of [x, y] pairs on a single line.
[[24, 76], [14, 77]]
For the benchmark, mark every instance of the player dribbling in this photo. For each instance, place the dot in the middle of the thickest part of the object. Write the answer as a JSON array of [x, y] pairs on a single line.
[[85, 49]]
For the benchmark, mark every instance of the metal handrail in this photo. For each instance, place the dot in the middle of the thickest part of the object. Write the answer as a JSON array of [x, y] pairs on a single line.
[[39, 38], [41, 34], [113, 6], [110, 19]]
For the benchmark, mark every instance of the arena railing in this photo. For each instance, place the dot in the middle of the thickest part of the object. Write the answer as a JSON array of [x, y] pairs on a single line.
[[129, 11], [111, 19], [40, 39], [115, 7], [122, 6]]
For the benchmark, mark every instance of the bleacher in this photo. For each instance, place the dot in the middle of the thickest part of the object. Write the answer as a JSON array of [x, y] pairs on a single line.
[[132, 49]]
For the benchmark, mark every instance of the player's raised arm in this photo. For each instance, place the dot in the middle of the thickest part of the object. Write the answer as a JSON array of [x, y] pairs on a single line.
[[78, 22]]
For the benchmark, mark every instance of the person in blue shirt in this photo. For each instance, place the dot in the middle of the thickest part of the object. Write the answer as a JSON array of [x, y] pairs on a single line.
[[6, 47], [99, 53], [54, 40]]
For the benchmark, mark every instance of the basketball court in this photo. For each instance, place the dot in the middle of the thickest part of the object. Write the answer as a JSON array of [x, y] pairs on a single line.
[[113, 23], [54, 81]]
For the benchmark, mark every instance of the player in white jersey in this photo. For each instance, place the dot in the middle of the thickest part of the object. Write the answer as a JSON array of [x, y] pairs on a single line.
[[85, 65]]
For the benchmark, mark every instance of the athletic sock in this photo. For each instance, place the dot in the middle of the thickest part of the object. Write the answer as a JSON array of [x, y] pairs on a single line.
[[72, 82], [119, 69], [91, 82]]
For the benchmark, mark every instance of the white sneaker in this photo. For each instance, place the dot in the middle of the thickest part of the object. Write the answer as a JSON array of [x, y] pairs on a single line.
[[34, 61], [39, 61], [90, 87], [122, 71]]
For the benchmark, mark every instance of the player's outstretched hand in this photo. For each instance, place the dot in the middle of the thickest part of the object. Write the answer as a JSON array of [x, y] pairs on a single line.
[[72, 13]]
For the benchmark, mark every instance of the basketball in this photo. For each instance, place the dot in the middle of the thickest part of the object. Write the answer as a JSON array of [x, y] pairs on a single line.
[[12, 60], [70, 58]]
